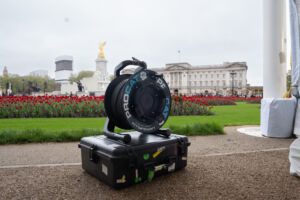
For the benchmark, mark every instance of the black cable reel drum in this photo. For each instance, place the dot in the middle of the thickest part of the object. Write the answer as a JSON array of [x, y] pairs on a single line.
[[139, 101]]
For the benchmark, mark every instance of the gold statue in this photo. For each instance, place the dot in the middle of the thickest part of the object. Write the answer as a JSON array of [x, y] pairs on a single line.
[[101, 50]]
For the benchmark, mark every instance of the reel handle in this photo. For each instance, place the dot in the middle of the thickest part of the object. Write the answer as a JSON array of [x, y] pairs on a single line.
[[125, 63]]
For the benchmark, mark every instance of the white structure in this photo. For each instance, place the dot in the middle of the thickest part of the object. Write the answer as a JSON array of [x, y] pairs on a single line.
[[5, 71], [274, 51], [95, 85], [64, 68], [67, 88], [39, 73], [276, 113], [277, 117], [186, 79], [101, 66]]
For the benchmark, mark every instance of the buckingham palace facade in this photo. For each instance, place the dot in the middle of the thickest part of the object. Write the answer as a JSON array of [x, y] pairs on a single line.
[[224, 79]]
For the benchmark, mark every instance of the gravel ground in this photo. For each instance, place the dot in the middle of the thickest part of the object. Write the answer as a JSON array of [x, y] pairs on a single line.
[[233, 166]]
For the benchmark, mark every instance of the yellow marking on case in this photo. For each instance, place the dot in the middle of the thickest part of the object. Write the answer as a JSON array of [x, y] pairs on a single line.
[[159, 150], [122, 180]]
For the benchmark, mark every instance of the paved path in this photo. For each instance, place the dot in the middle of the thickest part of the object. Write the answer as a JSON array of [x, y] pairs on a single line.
[[233, 166]]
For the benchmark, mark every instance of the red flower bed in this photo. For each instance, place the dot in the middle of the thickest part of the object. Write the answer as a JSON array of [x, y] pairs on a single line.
[[88, 106], [217, 101], [184, 106], [51, 106], [210, 101], [254, 100], [66, 106]]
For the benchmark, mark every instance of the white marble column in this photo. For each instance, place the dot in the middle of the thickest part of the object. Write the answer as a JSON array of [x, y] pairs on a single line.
[[274, 48], [101, 66]]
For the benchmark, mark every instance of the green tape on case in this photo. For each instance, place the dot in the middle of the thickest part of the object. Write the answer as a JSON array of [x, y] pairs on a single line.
[[137, 179], [150, 175], [146, 156]]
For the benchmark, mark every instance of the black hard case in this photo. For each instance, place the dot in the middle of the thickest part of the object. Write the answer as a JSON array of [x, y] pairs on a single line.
[[146, 156]]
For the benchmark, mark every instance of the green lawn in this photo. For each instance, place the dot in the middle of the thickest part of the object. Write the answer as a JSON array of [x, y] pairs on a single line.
[[72, 129], [242, 114]]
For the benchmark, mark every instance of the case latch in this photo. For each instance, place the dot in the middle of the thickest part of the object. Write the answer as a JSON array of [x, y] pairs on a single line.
[[91, 153], [182, 146]]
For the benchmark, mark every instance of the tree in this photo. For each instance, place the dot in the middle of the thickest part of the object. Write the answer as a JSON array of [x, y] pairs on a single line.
[[80, 76], [23, 84]]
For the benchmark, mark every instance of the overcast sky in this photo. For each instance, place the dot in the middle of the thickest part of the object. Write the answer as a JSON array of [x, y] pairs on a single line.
[[34, 32]]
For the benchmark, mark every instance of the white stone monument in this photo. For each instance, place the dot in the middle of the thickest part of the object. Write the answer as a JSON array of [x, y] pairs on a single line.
[[98, 83]]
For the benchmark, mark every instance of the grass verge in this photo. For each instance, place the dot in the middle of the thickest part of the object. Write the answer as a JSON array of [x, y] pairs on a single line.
[[13, 136], [198, 129]]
